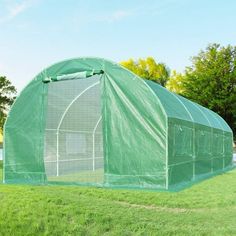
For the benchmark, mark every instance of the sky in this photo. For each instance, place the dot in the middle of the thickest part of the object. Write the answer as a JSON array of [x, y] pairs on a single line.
[[37, 33]]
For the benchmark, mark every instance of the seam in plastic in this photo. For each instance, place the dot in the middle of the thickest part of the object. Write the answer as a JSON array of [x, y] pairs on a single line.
[[194, 133], [210, 124], [223, 136]]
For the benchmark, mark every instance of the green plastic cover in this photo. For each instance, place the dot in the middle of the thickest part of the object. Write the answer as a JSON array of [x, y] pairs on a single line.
[[90, 121]]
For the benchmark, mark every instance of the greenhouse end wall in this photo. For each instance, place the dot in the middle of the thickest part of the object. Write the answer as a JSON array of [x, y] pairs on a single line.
[[133, 123]]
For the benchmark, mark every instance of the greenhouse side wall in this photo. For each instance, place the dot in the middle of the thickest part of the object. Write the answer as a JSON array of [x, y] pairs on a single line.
[[196, 152]]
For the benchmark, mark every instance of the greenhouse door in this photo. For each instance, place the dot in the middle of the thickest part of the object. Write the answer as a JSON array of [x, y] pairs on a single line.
[[73, 136]]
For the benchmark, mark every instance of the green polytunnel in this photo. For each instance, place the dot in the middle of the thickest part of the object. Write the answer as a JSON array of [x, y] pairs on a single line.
[[90, 121]]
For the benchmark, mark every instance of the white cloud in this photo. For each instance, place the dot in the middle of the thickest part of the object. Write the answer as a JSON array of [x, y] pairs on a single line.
[[13, 8], [115, 16], [138, 11], [85, 16], [18, 8], [119, 15], [82, 18]]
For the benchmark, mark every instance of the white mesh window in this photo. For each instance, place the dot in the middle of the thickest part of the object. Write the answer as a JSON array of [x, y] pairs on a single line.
[[76, 143], [73, 135]]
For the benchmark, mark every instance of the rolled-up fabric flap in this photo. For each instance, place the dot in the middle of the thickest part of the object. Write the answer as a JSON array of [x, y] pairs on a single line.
[[77, 75]]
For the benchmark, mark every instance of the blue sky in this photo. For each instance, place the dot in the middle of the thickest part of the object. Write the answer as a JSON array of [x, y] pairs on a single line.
[[37, 33]]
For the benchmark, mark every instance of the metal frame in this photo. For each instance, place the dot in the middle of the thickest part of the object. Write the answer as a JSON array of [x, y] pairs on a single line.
[[210, 125], [222, 129], [68, 160], [72, 131], [94, 130], [194, 133]]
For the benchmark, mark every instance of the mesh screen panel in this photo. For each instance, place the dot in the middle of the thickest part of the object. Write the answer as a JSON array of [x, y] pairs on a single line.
[[73, 136]]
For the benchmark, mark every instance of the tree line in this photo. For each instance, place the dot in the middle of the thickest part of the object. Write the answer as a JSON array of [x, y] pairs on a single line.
[[7, 96], [209, 81]]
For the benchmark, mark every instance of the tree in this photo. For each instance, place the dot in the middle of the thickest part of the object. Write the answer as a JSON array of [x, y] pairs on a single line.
[[211, 81], [148, 69], [7, 93], [175, 83]]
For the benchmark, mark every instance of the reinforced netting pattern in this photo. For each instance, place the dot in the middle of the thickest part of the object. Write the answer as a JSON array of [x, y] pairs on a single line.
[[73, 134]]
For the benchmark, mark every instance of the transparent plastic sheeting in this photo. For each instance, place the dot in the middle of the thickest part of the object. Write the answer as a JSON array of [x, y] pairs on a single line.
[[90, 121]]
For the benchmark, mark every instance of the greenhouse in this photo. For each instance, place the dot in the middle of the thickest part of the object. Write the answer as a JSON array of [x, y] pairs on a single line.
[[89, 121]]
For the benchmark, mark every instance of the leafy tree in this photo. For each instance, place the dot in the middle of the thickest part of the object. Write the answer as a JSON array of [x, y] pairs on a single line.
[[148, 69], [211, 81], [7, 93], [175, 83]]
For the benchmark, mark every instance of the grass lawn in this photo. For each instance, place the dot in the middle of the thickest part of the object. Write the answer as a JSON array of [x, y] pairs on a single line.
[[207, 208], [82, 177]]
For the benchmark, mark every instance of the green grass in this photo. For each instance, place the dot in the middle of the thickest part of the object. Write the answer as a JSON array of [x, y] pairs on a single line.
[[207, 208], [0, 170], [81, 177]]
